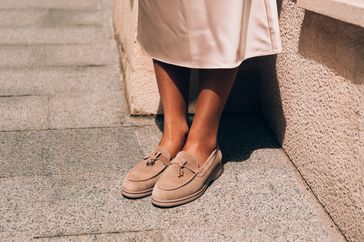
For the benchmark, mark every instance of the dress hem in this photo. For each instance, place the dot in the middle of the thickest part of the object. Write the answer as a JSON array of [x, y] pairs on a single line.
[[236, 64]]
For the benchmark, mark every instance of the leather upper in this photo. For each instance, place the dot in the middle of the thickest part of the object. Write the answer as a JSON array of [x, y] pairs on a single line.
[[149, 167], [146, 172], [183, 177], [183, 168]]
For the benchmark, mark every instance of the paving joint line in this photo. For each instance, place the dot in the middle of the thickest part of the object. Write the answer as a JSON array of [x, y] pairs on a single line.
[[48, 67], [19, 95], [96, 233], [45, 45], [53, 27], [55, 67], [77, 128], [45, 9], [51, 8]]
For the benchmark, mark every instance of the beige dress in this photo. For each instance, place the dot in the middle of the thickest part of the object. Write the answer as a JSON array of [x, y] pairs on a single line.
[[208, 33]]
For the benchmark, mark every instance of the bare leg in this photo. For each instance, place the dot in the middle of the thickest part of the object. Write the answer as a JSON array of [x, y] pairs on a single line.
[[215, 87], [173, 85]]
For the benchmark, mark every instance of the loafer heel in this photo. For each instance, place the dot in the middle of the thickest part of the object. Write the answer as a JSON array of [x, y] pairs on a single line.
[[218, 173]]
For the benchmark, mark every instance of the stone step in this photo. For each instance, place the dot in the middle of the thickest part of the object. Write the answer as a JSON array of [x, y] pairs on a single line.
[[58, 4], [75, 110], [58, 35], [52, 17], [65, 186], [28, 112], [51, 81], [57, 55]]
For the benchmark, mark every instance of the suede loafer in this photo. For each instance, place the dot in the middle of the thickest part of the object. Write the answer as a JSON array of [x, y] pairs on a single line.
[[184, 181], [140, 180]]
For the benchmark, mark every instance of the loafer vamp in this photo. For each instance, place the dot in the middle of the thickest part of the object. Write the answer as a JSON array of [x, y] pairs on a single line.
[[143, 172], [183, 181], [173, 178]]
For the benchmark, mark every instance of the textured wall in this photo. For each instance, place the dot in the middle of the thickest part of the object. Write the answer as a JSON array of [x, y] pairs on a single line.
[[314, 104], [137, 69]]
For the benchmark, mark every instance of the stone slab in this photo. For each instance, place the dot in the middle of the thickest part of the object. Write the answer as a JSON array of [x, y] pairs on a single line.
[[148, 137], [351, 11], [69, 151], [56, 55], [56, 35], [241, 134], [282, 231], [140, 120], [86, 110], [52, 17], [285, 231], [32, 206], [61, 80], [25, 112], [83, 199]]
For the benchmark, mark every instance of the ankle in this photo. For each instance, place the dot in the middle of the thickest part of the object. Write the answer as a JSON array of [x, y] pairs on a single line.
[[205, 144], [173, 138], [208, 140], [200, 150], [175, 129]]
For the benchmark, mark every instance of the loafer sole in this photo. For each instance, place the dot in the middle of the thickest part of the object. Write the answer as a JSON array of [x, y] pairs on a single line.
[[141, 194], [216, 173]]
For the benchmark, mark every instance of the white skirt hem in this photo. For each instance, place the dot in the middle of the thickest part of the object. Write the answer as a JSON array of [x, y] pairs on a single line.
[[227, 66]]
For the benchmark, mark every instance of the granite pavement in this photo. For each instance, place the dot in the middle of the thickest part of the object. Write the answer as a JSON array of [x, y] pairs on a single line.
[[66, 141]]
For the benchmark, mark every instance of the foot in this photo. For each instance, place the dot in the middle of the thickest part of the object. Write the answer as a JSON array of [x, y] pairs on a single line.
[[140, 180], [200, 150], [183, 181], [173, 138]]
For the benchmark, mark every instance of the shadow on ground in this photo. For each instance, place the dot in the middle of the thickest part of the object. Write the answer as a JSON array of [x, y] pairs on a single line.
[[239, 135]]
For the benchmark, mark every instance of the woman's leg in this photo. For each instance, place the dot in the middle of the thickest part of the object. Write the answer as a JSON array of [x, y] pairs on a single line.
[[215, 87], [173, 86]]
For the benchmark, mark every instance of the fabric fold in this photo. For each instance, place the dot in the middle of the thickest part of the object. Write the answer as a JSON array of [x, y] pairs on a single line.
[[208, 33]]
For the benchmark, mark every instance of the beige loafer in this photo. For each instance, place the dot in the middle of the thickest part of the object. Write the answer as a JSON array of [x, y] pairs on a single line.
[[140, 180], [183, 181]]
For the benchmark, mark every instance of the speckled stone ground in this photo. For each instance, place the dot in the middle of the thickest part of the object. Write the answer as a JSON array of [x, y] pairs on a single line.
[[66, 141]]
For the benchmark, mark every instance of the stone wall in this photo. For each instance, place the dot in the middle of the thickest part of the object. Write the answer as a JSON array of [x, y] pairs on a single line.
[[315, 106]]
